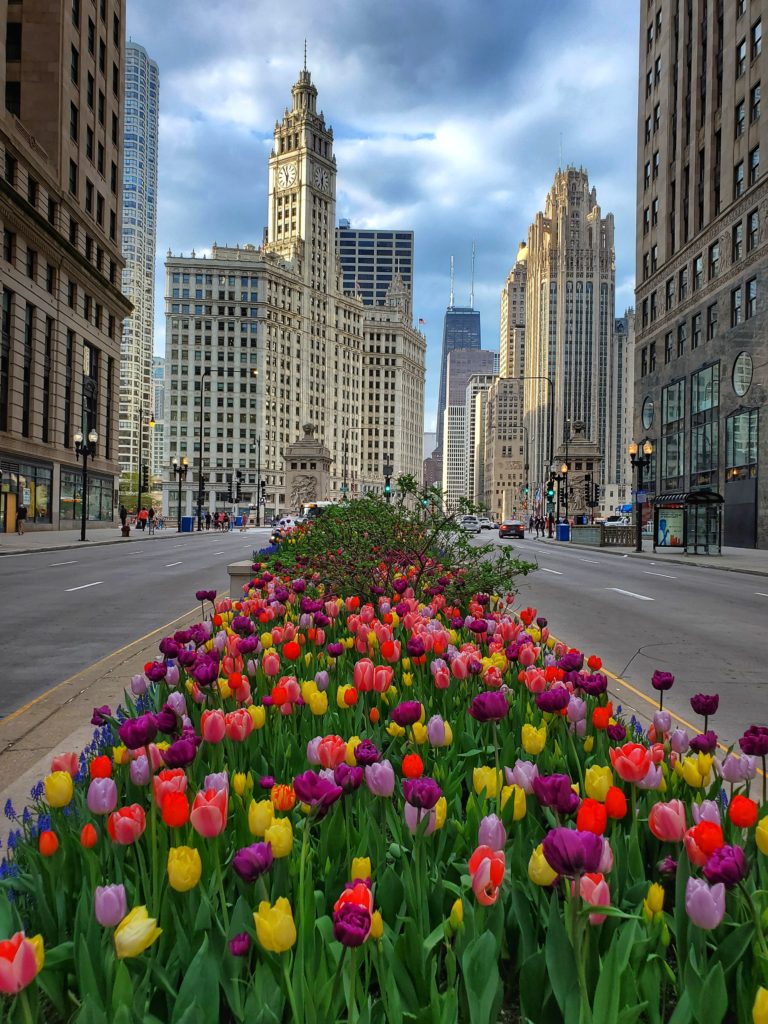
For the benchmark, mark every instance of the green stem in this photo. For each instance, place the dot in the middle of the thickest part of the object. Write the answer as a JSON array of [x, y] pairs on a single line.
[[585, 1013], [351, 1000], [222, 894], [758, 929], [289, 986], [336, 979], [498, 773], [26, 1009]]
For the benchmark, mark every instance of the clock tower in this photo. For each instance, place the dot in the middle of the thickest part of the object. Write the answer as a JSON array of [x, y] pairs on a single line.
[[302, 187]]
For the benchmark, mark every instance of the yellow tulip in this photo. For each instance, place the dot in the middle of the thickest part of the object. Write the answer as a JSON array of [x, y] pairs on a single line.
[[760, 1007], [361, 868], [761, 835], [280, 836], [589, 743], [486, 778], [261, 814], [697, 771], [441, 811], [394, 729], [184, 868], [456, 918], [377, 925], [59, 789], [135, 933], [519, 805], [395, 619], [224, 689], [120, 754], [275, 929], [539, 871], [352, 744], [318, 702], [407, 679], [550, 642], [340, 691], [308, 687], [419, 733], [242, 782], [266, 640], [406, 663], [534, 739], [598, 779], [37, 945], [258, 715], [653, 904]]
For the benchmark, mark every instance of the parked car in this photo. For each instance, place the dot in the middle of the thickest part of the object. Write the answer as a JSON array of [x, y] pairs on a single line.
[[618, 521], [471, 524], [512, 528]]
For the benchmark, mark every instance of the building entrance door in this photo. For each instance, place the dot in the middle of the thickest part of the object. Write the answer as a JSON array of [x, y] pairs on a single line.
[[7, 512]]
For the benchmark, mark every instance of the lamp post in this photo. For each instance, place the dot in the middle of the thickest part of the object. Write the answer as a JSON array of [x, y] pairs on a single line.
[[551, 425], [562, 478], [258, 483], [200, 478], [180, 470], [640, 457], [87, 449], [139, 485]]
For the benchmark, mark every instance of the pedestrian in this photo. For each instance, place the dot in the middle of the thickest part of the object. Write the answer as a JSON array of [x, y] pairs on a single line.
[[207, 520], [123, 513], [151, 519], [530, 524], [225, 522], [143, 517], [550, 524], [21, 518]]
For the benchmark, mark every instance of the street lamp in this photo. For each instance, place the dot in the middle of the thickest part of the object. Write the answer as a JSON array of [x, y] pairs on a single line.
[[139, 483], [87, 449], [180, 470], [640, 462], [200, 478], [562, 478], [551, 426]]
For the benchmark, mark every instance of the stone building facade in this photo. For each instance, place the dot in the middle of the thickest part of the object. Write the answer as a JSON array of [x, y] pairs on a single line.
[[505, 449]]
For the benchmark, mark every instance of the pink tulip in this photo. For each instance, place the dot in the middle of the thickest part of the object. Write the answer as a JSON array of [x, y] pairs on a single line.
[[441, 678], [209, 812], [171, 780], [707, 810], [102, 796], [528, 655], [535, 679], [667, 821], [415, 815], [594, 891], [213, 726], [239, 725], [65, 763], [18, 963], [460, 667], [382, 678], [271, 663], [312, 755], [362, 675]]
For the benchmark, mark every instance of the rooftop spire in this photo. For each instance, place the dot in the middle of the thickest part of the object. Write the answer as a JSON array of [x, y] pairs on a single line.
[[305, 53]]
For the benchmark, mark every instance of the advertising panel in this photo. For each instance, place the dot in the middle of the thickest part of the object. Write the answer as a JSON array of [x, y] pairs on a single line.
[[669, 533]]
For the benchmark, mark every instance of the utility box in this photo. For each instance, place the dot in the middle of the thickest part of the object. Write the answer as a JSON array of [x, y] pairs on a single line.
[[563, 531], [187, 523]]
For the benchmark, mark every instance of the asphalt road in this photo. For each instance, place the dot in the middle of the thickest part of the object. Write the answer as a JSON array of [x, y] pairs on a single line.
[[706, 626], [64, 610]]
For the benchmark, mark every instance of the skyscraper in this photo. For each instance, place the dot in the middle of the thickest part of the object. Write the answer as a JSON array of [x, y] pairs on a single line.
[[142, 107], [512, 352], [701, 343], [569, 322], [461, 329], [60, 266], [157, 436], [370, 259], [457, 473]]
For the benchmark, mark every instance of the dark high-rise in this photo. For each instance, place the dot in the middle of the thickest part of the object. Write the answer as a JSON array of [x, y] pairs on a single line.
[[369, 261], [461, 329]]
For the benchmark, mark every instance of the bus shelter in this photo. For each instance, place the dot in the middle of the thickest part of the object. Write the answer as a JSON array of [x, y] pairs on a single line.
[[691, 521]]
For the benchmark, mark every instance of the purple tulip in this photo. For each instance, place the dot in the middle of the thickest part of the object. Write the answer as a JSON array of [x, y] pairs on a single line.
[[110, 905], [299, 586], [138, 685], [653, 778], [570, 853], [100, 715], [205, 595], [490, 706], [704, 905], [616, 732], [267, 781], [668, 867], [553, 700], [322, 679], [187, 658], [522, 775], [102, 796], [414, 817], [166, 720], [172, 675], [577, 709], [181, 752], [555, 791], [755, 741], [366, 753], [400, 585], [380, 778], [406, 713], [169, 647], [206, 671], [436, 731], [491, 833], [216, 780], [177, 703], [415, 646], [140, 771], [252, 861], [705, 743], [707, 810], [593, 685], [349, 778], [728, 864], [240, 944], [423, 792], [351, 924], [662, 722], [737, 769], [678, 741], [335, 649], [312, 755], [247, 645], [571, 661], [155, 671], [705, 704], [662, 680], [319, 793]]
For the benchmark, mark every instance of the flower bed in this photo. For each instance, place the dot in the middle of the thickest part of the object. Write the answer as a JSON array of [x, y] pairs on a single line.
[[314, 809]]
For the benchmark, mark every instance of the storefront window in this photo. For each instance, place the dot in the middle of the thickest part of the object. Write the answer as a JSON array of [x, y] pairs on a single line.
[[100, 497], [741, 445], [705, 401], [673, 435]]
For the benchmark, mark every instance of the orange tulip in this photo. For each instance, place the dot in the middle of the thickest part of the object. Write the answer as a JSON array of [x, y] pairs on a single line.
[[283, 797], [88, 836], [48, 843]]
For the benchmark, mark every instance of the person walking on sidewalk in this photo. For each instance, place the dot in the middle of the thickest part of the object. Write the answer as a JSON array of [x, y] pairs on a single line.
[[151, 519], [21, 518], [142, 517]]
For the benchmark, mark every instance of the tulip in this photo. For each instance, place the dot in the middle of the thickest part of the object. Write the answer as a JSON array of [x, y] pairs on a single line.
[[184, 868], [366, 753], [653, 904], [47, 843], [59, 788], [592, 817], [100, 767], [631, 762], [760, 1007], [213, 726], [240, 944], [486, 868], [737, 769], [701, 841], [361, 868], [488, 779], [88, 836], [519, 805], [569, 852], [21, 959], [238, 725], [126, 824], [491, 706], [216, 780], [258, 715], [175, 810], [380, 778], [319, 793], [533, 739], [283, 797], [761, 836], [662, 722], [138, 732], [539, 870], [755, 741], [598, 779], [209, 812], [439, 732], [352, 924], [275, 928], [170, 780], [261, 813], [556, 791], [65, 763], [102, 796], [667, 821], [704, 905], [491, 833], [728, 864], [110, 905], [522, 775], [331, 751], [554, 700], [594, 890], [279, 835], [135, 933], [707, 810], [140, 771]]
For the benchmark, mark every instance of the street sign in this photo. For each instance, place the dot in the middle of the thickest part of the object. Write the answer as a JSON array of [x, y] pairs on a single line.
[[641, 496]]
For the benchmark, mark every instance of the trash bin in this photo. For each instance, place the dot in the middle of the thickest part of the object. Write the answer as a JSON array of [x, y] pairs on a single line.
[[238, 520], [187, 523], [563, 531]]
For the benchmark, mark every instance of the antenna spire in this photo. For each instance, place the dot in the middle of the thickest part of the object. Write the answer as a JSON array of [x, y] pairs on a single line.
[[305, 53], [451, 302], [472, 281], [561, 149]]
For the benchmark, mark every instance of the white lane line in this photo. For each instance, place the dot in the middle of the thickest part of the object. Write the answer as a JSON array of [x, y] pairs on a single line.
[[596, 561], [218, 552], [758, 594], [84, 586], [73, 562], [171, 564], [178, 545], [553, 571], [666, 577], [629, 593]]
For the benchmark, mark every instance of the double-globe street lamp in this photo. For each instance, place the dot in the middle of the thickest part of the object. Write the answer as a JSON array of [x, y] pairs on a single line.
[[139, 483], [86, 449], [180, 470], [640, 457], [561, 479]]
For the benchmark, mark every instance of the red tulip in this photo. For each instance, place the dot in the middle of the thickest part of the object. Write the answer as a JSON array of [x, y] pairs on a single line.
[[48, 843], [592, 817], [88, 836], [239, 725], [631, 761], [126, 824]]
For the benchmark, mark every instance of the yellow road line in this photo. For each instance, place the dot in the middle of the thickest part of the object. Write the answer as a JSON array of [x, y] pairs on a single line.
[[26, 707]]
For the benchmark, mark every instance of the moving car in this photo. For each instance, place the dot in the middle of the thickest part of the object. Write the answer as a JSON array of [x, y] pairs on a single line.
[[471, 524], [618, 521], [486, 523], [512, 528]]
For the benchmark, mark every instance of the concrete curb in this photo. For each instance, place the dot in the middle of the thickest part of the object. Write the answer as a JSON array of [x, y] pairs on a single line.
[[78, 544], [660, 559]]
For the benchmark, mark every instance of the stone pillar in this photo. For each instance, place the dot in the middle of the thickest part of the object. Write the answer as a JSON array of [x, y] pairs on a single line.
[[307, 470]]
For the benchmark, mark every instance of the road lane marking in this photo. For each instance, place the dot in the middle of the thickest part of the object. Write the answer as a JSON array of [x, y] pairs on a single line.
[[596, 561], [553, 571], [630, 593], [73, 562], [171, 564], [218, 552], [666, 577], [758, 594], [98, 583]]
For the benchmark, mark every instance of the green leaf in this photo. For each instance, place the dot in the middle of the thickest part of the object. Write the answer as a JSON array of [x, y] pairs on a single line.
[[122, 989], [608, 991], [712, 1001], [561, 964], [481, 977], [682, 1014], [433, 938], [200, 987]]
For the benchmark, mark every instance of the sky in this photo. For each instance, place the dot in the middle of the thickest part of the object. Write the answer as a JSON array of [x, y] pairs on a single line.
[[449, 118]]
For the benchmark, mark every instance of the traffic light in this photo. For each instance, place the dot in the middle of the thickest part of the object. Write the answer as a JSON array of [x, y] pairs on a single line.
[[550, 488], [525, 490], [596, 498], [263, 492], [144, 478], [587, 492], [387, 486], [238, 481]]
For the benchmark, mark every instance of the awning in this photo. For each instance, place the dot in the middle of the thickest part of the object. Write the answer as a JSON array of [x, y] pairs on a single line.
[[689, 498]]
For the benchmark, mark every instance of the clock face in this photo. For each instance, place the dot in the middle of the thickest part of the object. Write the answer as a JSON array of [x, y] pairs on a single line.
[[286, 175], [321, 178]]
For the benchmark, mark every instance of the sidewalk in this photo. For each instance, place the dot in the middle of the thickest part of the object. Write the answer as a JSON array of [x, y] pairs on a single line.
[[59, 540], [748, 560]]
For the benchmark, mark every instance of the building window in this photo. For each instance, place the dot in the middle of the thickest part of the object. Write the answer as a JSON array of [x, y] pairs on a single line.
[[89, 196], [89, 91], [737, 310], [113, 177], [673, 434], [47, 358], [5, 357], [9, 246], [751, 293], [13, 98], [741, 445], [648, 82], [656, 117], [654, 258], [101, 108], [644, 362], [645, 312], [654, 308], [657, 71], [705, 401], [711, 321], [74, 65], [646, 220], [73, 177], [13, 41], [10, 168], [698, 272], [652, 357], [737, 241], [753, 230], [89, 143], [754, 103], [682, 289], [647, 174], [73, 122], [668, 347], [669, 294], [26, 380], [757, 39], [741, 6], [738, 179], [754, 165], [741, 58], [31, 263], [91, 38], [68, 369], [739, 119], [646, 265], [72, 295], [72, 231], [99, 209], [682, 338], [696, 331], [655, 212], [655, 165], [714, 260]]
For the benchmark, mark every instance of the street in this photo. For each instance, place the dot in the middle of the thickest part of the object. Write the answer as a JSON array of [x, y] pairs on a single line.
[[64, 610], [706, 626]]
